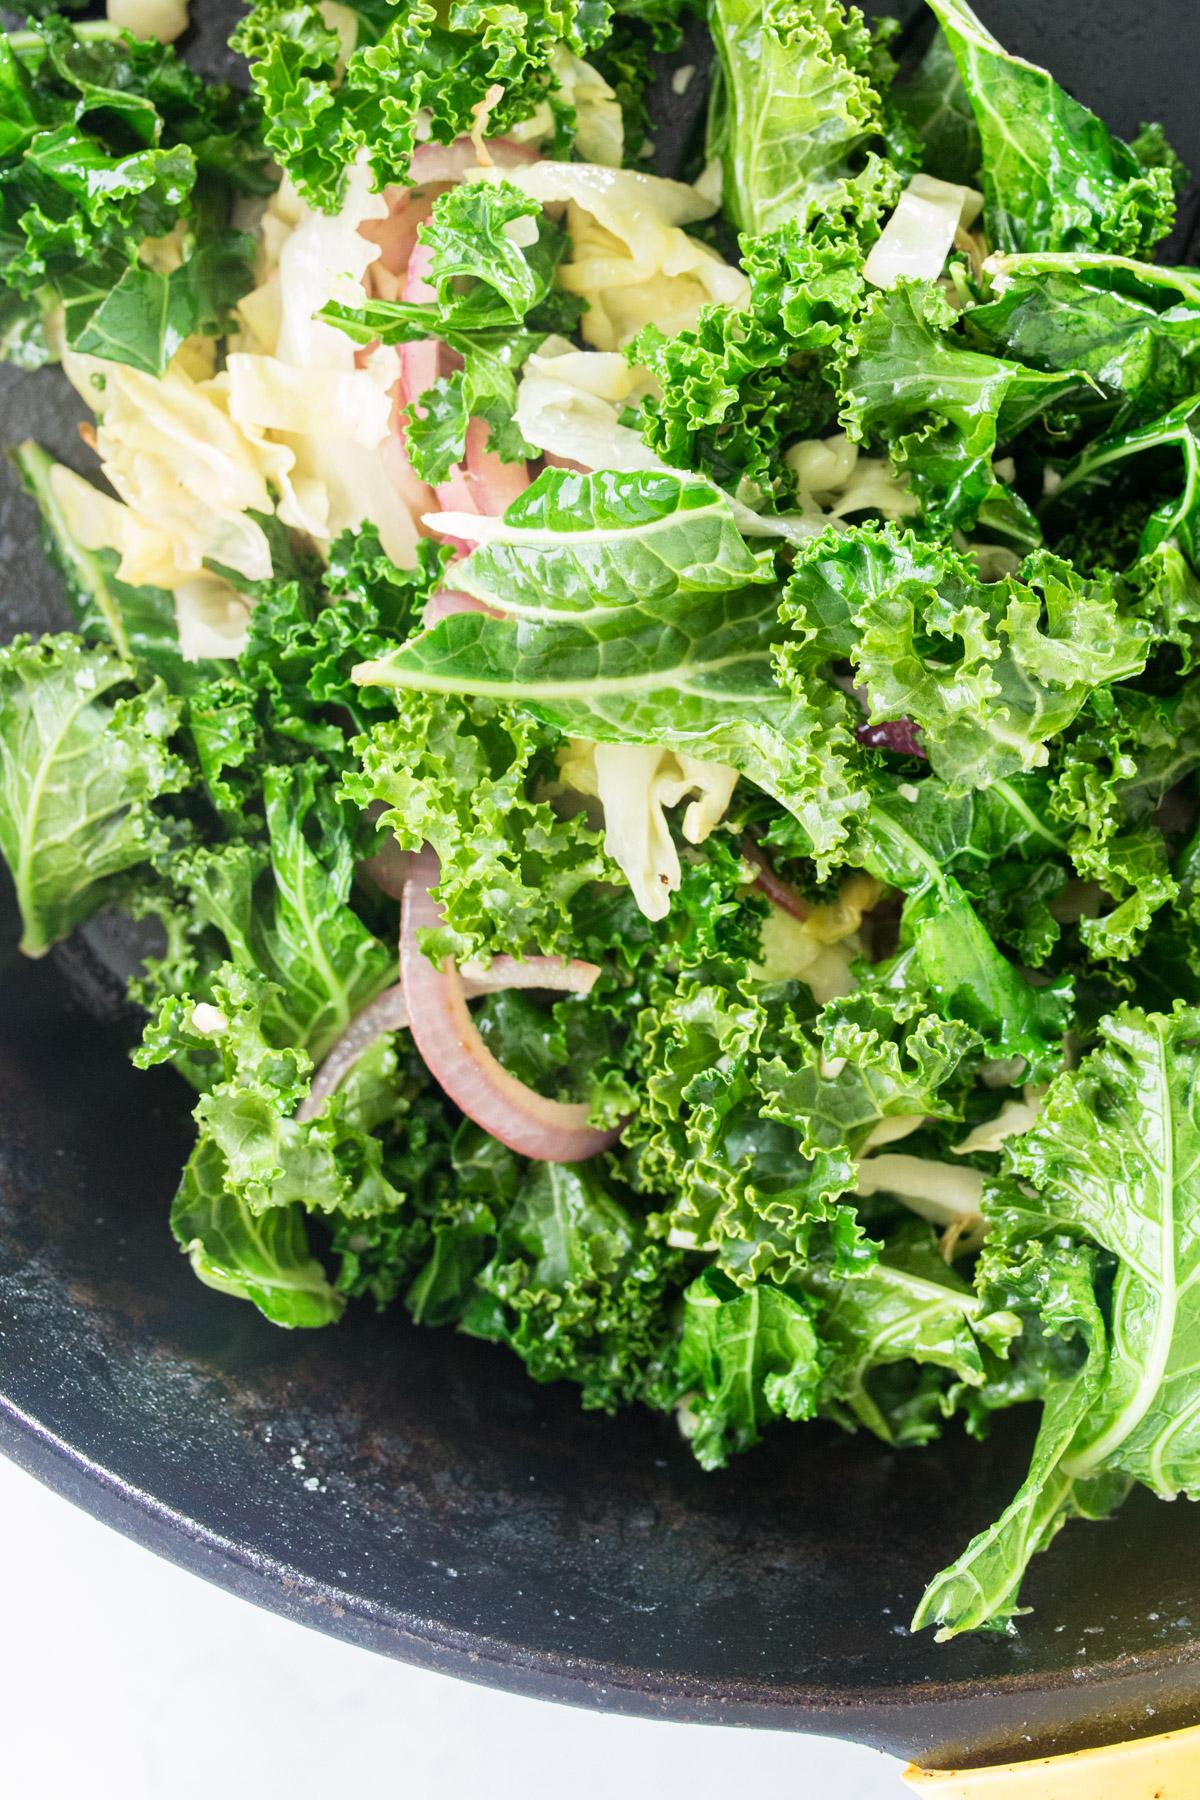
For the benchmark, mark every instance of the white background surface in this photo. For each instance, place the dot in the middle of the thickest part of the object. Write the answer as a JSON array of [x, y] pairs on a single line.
[[122, 1678]]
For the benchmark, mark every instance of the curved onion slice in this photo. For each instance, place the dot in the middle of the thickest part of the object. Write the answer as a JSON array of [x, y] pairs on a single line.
[[420, 363], [387, 1013], [784, 895], [396, 236], [450, 162], [553, 973], [390, 1012], [388, 868], [495, 484], [459, 1060], [415, 494]]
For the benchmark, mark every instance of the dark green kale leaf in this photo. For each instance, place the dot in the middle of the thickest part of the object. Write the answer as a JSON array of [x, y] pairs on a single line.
[[473, 779], [578, 1290], [1168, 449], [933, 104], [134, 314], [292, 694], [1132, 327], [1054, 178], [1113, 774], [108, 142], [279, 907], [945, 411], [732, 1183], [901, 1337], [746, 1356], [621, 627], [370, 1162], [947, 953]]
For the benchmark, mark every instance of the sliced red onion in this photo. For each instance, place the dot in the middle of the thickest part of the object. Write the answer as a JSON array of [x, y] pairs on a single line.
[[495, 483], [388, 868], [420, 363], [482, 486], [450, 162], [899, 735], [776, 889], [903, 736], [387, 1013], [448, 601], [554, 973], [416, 495], [396, 236], [390, 1012], [456, 496], [459, 1060]]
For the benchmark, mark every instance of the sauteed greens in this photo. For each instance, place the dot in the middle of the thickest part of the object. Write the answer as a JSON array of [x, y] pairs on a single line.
[[651, 725]]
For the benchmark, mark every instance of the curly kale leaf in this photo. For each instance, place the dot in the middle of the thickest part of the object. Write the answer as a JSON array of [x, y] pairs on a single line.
[[798, 110], [990, 671], [746, 1356], [108, 142], [746, 383], [1111, 1167], [410, 66]]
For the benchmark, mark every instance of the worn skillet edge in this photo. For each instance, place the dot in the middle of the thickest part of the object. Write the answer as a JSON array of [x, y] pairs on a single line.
[[951, 1729]]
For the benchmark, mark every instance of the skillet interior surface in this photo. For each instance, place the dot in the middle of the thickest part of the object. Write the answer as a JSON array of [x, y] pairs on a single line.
[[412, 1491]]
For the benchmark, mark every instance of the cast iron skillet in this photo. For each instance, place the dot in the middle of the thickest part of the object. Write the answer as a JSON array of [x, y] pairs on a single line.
[[412, 1491]]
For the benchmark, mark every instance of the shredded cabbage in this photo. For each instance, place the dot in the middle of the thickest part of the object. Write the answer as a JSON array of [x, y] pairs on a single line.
[[936, 1191], [820, 949], [915, 242], [299, 382], [834, 480], [630, 258], [636, 784], [190, 477], [569, 404]]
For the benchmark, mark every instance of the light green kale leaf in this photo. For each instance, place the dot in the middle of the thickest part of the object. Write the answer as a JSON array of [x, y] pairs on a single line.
[[1112, 1164], [83, 758], [798, 105], [687, 664], [990, 671]]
